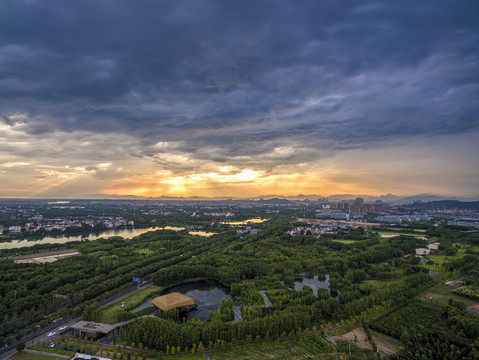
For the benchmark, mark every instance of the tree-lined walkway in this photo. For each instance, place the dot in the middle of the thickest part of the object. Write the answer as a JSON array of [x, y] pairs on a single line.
[[237, 308], [267, 302], [237, 314]]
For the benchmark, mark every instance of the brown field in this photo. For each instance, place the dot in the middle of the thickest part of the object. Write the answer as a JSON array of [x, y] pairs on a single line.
[[44, 257], [386, 344]]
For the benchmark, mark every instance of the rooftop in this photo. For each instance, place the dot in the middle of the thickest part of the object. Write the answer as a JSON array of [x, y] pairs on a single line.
[[172, 301], [474, 308]]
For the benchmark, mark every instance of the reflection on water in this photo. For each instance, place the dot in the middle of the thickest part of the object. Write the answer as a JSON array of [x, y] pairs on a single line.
[[318, 282], [124, 233], [202, 233], [175, 228], [321, 282], [207, 295], [249, 221]]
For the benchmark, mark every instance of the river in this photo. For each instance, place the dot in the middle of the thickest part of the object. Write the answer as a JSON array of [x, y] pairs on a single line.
[[124, 233]]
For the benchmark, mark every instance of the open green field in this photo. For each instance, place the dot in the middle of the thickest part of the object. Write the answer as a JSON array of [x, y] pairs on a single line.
[[442, 293], [441, 259], [266, 351], [345, 241], [133, 300], [435, 268], [29, 356]]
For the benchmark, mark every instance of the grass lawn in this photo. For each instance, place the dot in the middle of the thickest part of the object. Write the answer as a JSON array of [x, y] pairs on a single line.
[[345, 241], [441, 259], [442, 293], [435, 268], [133, 300], [29, 356]]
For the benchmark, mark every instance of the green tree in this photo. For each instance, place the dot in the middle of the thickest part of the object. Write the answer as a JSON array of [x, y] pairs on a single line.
[[20, 346], [405, 337]]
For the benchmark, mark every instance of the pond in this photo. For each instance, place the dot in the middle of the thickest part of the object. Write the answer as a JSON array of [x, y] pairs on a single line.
[[315, 283], [207, 294]]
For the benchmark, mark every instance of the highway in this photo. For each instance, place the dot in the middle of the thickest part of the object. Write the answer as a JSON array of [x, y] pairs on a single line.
[[6, 355]]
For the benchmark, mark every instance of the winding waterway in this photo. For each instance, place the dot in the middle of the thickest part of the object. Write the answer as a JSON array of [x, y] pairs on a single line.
[[124, 233]]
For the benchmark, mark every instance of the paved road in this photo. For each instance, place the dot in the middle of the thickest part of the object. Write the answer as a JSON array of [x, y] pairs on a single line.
[[9, 353], [6, 355]]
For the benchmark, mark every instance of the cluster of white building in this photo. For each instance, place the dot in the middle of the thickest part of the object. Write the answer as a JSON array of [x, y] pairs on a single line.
[[63, 224], [316, 230], [469, 222], [397, 219], [219, 214], [157, 212], [421, 251]]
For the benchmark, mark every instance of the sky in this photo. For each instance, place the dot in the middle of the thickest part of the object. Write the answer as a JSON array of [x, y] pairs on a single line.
[[224, 98]]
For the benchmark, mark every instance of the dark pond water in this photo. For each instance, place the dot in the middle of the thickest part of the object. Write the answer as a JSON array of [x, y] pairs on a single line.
[[207, 294], [315, 283], [321, 282]]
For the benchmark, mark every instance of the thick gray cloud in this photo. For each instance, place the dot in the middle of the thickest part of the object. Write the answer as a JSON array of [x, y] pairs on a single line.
[[230, 80]]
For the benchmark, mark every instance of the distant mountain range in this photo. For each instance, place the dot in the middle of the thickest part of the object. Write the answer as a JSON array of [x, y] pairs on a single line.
[[446, 205], [387, 198]]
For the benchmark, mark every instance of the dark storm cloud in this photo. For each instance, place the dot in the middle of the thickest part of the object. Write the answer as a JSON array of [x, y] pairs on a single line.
[[241, 77]]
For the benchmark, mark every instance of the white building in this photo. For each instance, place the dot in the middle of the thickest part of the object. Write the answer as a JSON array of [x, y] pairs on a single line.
[[422, 252], [469, 222]]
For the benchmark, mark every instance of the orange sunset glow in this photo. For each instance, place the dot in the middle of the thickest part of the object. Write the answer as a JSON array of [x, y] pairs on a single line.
[[183, 100]]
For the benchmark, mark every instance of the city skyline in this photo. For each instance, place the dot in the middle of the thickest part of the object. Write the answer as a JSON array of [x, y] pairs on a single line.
[[238, 99]]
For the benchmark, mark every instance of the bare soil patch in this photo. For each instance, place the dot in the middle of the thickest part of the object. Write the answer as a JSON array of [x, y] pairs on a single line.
[[386, 345], [43, 257]]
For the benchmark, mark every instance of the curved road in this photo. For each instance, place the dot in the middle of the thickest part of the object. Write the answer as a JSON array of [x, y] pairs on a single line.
[[6, 355]]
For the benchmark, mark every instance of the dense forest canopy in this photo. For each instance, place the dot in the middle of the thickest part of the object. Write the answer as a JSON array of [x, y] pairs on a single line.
[[369, 276]]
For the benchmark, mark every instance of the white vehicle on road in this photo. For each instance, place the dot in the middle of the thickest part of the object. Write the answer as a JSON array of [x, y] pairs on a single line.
[[51, 333], [61, 328]]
